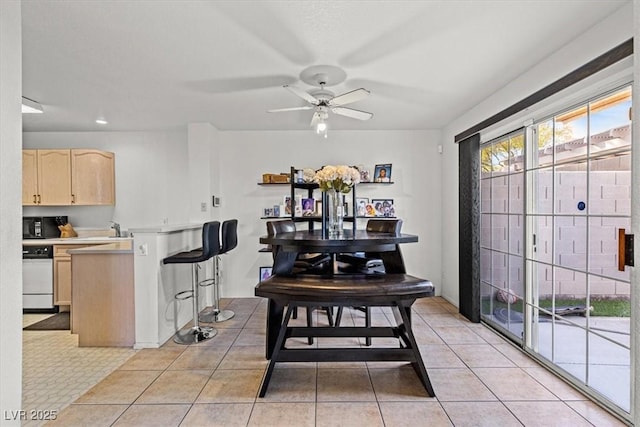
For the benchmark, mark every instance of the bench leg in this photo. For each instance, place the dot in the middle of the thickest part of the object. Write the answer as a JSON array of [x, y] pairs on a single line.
[[418, 365], [276, 352], [274, 320], [309, 322]]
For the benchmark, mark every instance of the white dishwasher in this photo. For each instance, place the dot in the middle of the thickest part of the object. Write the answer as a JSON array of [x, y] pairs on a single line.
[[37, 278]]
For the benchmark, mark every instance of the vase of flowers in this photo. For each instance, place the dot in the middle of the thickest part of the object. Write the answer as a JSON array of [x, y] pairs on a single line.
[[335, 181]]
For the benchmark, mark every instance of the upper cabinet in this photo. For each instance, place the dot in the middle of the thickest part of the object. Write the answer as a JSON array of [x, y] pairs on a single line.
[[46, 177], [93, 177], [67, 177]]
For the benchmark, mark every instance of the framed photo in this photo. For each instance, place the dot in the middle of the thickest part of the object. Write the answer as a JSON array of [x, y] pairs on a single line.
[[361, 206], [267, 212], [308, 207], [383, 208], [286, 201], [382, 173], [319, 207], [276, 210], [265, 273], [370, 210]]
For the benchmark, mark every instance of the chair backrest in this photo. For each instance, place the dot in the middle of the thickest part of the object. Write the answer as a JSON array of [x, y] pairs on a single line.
[[210, 239], [277, 227], [385, 225], [229, 235]]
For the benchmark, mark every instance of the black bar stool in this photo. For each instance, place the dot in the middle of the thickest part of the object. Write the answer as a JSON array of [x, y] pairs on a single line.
[[210, 248], [229, 242]]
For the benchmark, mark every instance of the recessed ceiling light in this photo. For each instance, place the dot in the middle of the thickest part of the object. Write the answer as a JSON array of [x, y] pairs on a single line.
[[101, 122], [29, 106]]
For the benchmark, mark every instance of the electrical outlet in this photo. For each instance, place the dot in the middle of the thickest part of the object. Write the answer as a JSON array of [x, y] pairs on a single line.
[[215, 201], [203, 206]]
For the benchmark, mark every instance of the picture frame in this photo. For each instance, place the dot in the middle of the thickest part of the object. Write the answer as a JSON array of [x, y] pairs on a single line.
[[370, 211], [382, 173], [265, 273], [286, 201], [308, 207], [276, 210], [319, 207], [361, 206], [267, 212], [384, 208]]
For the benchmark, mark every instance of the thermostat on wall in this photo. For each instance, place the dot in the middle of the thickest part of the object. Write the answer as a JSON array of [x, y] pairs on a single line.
[[216, 201]]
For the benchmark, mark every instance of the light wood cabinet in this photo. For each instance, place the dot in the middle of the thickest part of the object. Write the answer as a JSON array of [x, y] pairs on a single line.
[[46, 178], [68, 177], [62, 273], [93, 177]]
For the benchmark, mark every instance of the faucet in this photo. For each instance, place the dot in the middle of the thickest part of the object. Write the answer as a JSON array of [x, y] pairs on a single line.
[[116, 227]]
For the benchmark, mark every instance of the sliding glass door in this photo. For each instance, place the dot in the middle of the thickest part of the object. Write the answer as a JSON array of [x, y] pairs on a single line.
[[554, 196]]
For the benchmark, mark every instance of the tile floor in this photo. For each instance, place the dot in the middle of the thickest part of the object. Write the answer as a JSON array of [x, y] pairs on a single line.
[[479, 379]]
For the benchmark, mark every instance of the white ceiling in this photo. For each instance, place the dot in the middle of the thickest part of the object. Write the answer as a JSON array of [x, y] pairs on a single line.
[[146, 65]]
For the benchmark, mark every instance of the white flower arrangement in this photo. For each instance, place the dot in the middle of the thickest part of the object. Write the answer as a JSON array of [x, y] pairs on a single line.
[[340, 178], [308, 174]]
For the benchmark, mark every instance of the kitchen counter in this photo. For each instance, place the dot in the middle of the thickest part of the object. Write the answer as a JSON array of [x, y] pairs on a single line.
[[121, 246], [75, 240], [166, 228]]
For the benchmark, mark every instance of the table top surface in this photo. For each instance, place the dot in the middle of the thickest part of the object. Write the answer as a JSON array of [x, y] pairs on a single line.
[[314, 239]]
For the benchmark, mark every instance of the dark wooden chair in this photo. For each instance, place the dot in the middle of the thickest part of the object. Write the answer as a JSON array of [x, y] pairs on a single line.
[[304, 263]]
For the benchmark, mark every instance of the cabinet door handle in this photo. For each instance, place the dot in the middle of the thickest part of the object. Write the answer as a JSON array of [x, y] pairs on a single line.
[[34, 199], [38, 199], [73, 198]]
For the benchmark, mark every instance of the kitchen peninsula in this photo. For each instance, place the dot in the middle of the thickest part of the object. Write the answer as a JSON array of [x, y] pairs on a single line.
[[102, 302]]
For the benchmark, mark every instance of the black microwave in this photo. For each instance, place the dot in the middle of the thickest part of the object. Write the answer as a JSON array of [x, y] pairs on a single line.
[[42, 227]]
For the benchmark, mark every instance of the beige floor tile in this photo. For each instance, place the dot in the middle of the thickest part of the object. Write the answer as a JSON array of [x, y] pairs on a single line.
[[479, 414], [595, 414], [554, 384], [244, 357], [291, 385], [439, 356], [120, 387], [88, 415], [397, 384], [283, 414], [332, 414], [175, 387], [223, 339], [458, 385], [200, 358], [486, 333], [513, 384], [548, 414], [516, 355], [481, 356], [232, 386], [251, 337], [425, 335], [403, 414], [218, 415], [344, 385], [429, 308], [458, 335], [152, 359], [435, 320], [152, 416]]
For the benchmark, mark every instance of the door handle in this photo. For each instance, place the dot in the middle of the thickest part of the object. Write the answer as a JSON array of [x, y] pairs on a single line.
[[38, 199], [73, 198], [34, 199], [625, 249]]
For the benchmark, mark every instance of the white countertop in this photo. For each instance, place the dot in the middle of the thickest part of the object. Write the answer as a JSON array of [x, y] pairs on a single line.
[[165, 228], [74, 241]]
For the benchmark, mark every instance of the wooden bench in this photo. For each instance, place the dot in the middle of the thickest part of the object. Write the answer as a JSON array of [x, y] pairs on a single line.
[[398, 291]]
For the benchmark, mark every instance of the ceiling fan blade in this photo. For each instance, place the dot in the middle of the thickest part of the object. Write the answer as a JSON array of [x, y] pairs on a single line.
[[302, 94], [350, 112], [279, 110], [349, 97]]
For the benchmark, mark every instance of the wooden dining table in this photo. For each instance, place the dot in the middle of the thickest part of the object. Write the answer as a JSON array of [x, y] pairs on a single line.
[[384, 246]]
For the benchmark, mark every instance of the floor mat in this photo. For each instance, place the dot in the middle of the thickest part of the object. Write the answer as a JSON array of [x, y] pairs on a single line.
[[57, 322]]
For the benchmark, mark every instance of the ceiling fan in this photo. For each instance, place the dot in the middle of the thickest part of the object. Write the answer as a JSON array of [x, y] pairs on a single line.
[[324, 101]]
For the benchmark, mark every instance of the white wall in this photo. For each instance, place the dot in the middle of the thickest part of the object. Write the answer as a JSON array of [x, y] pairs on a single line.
[[245, 156], [10, 212], [152, 179], [609, 33]]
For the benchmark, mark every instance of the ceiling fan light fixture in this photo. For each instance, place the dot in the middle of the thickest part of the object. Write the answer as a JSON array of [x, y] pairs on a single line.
[[29, 106]]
